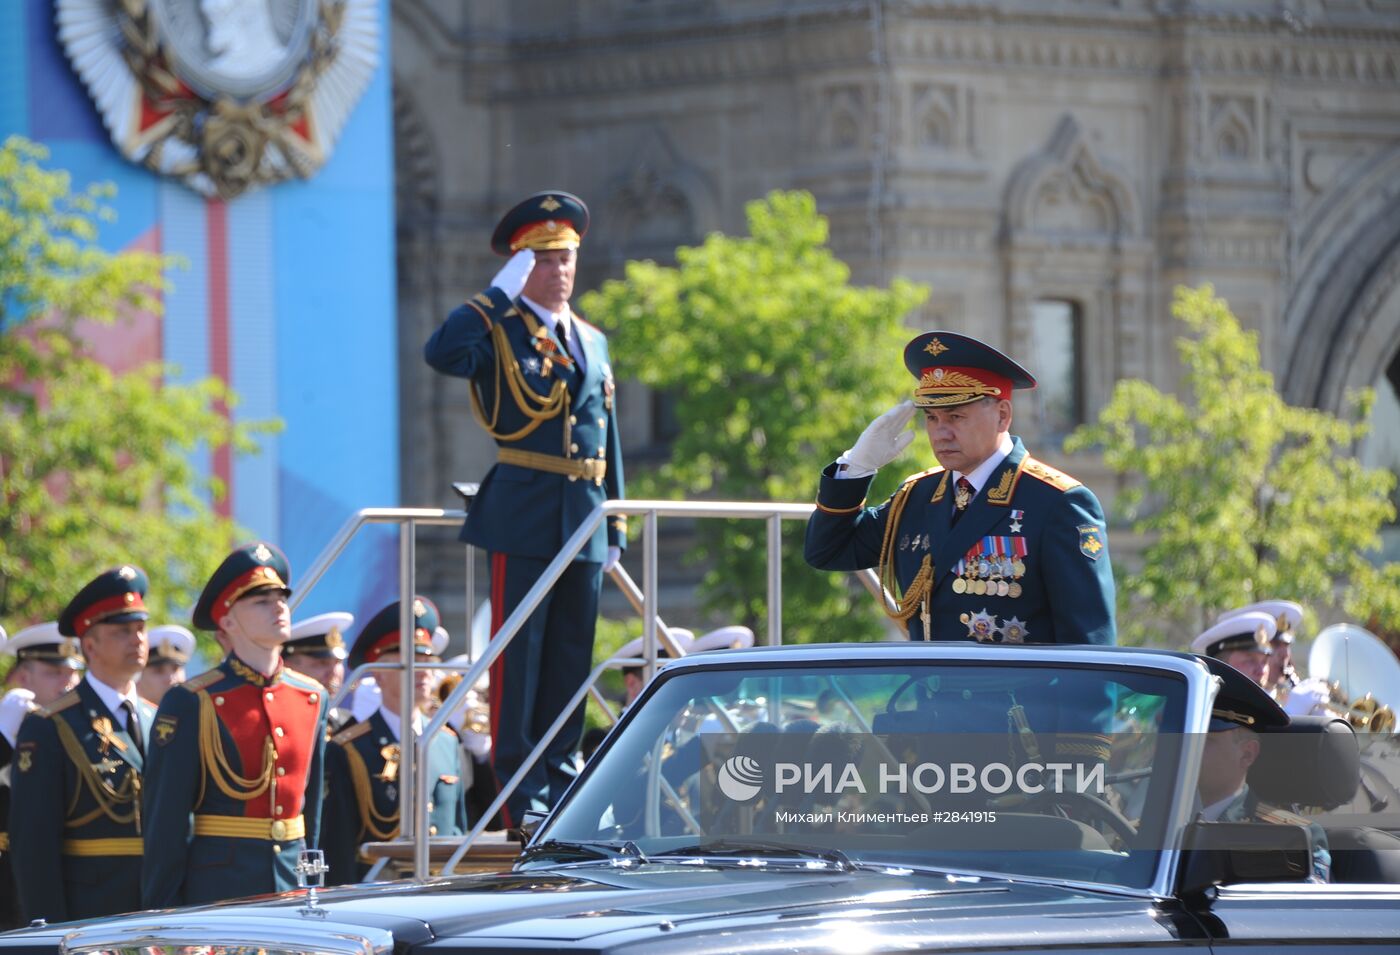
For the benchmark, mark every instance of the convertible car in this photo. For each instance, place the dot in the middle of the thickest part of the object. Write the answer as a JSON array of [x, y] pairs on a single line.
[[896, 798]]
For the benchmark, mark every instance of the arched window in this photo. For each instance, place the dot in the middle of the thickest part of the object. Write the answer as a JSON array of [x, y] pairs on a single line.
[[1057, 361]]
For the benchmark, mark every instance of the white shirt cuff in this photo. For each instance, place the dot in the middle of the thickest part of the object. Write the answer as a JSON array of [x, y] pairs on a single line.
[[845, 469]]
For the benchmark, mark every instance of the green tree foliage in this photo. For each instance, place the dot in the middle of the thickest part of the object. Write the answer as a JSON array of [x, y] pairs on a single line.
[[1241, 496], [95, 467], [776, 363]]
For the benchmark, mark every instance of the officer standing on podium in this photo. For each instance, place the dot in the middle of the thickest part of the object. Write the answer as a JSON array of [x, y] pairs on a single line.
[[542, 386], [79, 762], [239, 747], [992, 545]]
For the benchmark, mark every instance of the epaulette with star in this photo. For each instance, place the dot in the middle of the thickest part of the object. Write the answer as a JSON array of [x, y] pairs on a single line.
[[59, 705], [351, 733], [1048, 475]]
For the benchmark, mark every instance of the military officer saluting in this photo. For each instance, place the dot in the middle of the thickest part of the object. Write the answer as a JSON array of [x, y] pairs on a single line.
[[239, 748], [79, 763], [991, 545], [362, 761], [542, 386]]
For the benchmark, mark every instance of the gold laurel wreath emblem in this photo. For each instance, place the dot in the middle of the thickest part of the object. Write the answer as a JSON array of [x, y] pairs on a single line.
[[230, 138]]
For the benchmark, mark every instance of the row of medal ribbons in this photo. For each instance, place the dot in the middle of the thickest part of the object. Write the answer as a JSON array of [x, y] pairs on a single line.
[[992, 567]]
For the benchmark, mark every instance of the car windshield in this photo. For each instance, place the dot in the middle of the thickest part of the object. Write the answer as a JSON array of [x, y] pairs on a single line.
[[1034, 770]]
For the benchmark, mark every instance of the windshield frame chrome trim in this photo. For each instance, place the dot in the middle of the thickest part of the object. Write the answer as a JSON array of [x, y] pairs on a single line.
[[305, 935]]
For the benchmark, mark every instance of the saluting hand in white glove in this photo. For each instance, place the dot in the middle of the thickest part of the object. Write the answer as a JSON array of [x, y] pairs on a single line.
[[883, 440], [511, 278]]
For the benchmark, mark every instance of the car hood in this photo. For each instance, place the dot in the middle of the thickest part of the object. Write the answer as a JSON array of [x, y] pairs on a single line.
[[688, 908]]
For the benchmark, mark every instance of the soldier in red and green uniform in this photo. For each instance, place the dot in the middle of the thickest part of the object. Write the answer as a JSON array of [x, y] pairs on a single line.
[[234, 780]]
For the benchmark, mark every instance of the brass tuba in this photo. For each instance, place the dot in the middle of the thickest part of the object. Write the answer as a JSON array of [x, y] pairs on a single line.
[[1363, 676], [477, 707]]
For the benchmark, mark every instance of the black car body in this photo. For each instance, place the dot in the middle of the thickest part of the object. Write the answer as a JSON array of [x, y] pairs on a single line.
[[715, 819]]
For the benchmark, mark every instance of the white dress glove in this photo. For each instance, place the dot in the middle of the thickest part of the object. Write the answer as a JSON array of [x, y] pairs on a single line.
[[883, 440], [1308, 698], [511, 278], [614, 555], [14, 707]]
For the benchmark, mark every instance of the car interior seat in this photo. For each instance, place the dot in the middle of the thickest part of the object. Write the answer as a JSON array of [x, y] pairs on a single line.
[[1314, 762]]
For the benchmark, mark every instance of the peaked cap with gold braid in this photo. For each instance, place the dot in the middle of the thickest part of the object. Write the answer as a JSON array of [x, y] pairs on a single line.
[[546, 220], [953, 369]]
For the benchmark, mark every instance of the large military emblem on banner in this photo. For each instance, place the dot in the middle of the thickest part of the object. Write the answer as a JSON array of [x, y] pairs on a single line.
[[223, 94]]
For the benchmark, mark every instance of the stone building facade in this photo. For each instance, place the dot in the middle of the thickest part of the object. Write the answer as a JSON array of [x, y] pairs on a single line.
[[1051, 168]]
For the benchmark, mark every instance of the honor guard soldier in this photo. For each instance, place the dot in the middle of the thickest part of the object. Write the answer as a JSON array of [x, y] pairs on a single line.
[[238, 748], [1241, 640], [992, 545], [47, 665], [79, 763], [317, 648], [362, 761], [542, 386], [171, 648]]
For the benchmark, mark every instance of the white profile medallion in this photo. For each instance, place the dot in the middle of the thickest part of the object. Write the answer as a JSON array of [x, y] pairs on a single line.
[[225, 95]]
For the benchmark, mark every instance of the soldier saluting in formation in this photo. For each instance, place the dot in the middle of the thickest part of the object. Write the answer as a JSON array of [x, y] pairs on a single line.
[[238, 748], [991, 545], [78, 765]]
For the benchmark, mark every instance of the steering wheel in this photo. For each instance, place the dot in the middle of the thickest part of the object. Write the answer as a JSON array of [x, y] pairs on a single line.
[[908, 682], [1094, 808]]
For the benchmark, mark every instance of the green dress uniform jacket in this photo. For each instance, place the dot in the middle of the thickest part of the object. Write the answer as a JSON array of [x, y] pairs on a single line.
[[1026, 562], [233, 758], [362, 793], [75, 815]]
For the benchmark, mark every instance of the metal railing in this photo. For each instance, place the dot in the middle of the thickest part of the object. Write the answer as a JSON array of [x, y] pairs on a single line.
[[408, 519], [413, 826]]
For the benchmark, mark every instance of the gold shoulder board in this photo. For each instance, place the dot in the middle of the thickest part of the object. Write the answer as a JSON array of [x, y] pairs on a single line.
[[1044, 472], [919, 476], [1277, 816]]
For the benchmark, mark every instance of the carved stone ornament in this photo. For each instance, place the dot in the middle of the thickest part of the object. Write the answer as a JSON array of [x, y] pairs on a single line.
[[224, 95]]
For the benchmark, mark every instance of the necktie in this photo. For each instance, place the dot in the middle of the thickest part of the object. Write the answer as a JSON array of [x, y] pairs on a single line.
[[962, 497], [133, 727], [566, 334]]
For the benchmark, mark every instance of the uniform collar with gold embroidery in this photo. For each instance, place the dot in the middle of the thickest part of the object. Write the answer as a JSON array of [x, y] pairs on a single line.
[[244, 671]]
